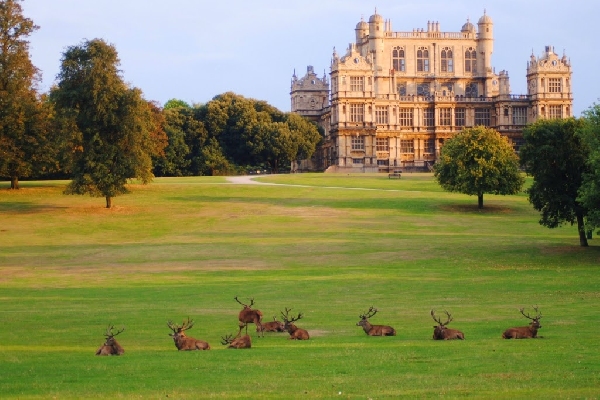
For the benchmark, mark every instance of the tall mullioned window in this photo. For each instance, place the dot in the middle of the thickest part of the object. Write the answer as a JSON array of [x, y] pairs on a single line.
[[422, 59], [402, 89], [382, 144], [519, 115], [555, 111], [405, 117], [357, 112], [447, 63], [357, 84], [429, 146], [429, 117], [471, 89], [470, 60], [407, 146], [482, 116], [554, 85], [381, 115], [398, 60], [358, 143], [459, 116], [445, 116]]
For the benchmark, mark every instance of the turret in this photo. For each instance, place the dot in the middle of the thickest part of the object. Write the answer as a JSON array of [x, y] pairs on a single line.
[[362, 30], [376, 34], [485, 43]]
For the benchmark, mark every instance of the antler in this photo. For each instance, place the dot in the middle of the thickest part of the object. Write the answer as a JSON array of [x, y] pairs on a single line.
[[109, 331], [226, 339], [288, 319], [439, 320], [372, 311], [184, 327], [537, 317], [245, 305]]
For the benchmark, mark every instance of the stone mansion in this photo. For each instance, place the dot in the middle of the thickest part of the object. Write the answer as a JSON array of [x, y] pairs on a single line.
[[396, 96]]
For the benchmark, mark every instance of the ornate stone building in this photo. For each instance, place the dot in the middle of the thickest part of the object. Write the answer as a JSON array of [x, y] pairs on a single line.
[[396, 96]]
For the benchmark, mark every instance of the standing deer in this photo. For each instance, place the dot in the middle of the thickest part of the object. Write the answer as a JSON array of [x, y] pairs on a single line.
[[374, 330], [525, 332], [295, 332], [441, 332], [243, 342], [183, 342], [272, 326], [249, 315], [111, 347]]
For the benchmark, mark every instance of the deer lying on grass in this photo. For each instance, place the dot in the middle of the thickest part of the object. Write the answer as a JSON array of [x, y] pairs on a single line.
[[249, 315], [183, 342], [243, 342], [374, 330], [111, 347], [441, 332], [295, 332], [272, 326], [525, 332]]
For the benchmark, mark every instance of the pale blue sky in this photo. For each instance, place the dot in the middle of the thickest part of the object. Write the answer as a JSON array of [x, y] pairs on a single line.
[[196, 49]]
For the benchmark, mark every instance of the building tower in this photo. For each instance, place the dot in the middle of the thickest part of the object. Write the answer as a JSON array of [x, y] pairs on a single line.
[[309, 94]]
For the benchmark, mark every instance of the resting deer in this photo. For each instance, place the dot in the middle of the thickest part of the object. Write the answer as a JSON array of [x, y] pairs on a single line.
[[374, 330], [183, 342], [525, 332], [249, 315], [243, 342], [295, 332], [272, 326], [111, 347], [441, 332]]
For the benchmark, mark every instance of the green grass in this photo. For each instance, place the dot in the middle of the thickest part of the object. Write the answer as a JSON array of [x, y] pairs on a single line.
[[327, 245]]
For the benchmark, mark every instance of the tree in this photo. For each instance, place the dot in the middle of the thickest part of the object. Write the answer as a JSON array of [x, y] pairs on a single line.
[[176, 103], [589, 192], [117, 128], [23, 115], [476, 161], [556, 158]]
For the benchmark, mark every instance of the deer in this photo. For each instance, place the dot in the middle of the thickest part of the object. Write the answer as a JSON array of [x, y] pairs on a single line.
[[442, 332], [288, 324], [183, 342], [111, 347], [525, 332], [249, 315], [374, 330], [272, 326], [243, 342]]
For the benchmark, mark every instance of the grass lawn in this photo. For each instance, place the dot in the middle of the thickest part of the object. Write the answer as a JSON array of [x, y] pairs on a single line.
[[329, 246]]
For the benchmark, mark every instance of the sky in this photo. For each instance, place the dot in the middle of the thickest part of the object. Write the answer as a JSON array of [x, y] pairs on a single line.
[[194, 50]]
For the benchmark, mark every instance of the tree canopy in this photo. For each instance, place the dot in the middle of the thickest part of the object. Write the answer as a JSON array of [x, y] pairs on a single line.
[[589, 192], [476, 161], [556, 158], [118, 131]]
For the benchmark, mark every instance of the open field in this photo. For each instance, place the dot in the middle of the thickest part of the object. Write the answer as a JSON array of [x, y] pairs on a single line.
[[327, 245]]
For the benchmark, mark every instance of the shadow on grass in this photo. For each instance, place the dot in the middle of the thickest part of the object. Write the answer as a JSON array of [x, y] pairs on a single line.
[[26, 207]]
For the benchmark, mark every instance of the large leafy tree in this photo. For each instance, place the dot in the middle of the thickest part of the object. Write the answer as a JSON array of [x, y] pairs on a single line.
[[476, 161], [23, 114], [556, 158], [589, 192], [117, 127]]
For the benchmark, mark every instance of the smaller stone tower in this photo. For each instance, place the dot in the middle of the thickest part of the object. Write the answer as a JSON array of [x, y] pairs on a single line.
[[549, 85], [310, 94]]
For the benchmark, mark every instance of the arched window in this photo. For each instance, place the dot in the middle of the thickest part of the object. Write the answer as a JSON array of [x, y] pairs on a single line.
[[447, 61], [398, 61], [422, 59], [471, 89], [470, 60]]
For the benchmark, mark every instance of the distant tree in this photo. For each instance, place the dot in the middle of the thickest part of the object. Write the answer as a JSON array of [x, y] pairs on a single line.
[[476, 161], [23, 114], [176, 103], [117, 131], [589, 192], [305, 133], [213, 161], [557, 159]]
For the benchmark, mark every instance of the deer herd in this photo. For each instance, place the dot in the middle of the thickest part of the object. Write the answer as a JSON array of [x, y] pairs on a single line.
[[248, 315]]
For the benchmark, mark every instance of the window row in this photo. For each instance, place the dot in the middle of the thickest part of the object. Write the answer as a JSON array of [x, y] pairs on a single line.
[[424, 89], [407, 146], [423, 59], [406, 116]]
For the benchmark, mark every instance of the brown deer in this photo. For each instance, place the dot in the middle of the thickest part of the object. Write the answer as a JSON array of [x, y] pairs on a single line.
[[441, 332], [295, 332], [111, 347], [272, 326], [183, 342], [249, 315], [243, 342], [525, 332], [374, 330]]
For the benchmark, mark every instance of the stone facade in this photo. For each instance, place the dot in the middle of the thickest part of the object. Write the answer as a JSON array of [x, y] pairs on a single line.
[[396, 96]]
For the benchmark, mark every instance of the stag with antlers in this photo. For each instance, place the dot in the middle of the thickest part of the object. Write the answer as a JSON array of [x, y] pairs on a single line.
[[272, 326], [111, 347], [249, 315], [442, 332], [243, 342], [183, 342], [374, 330], [525, 332], [288, 324]]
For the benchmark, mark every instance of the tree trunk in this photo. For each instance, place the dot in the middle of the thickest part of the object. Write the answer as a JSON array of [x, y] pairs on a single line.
[[108, 202], [480, 200], [14, 182], [581, 228]]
